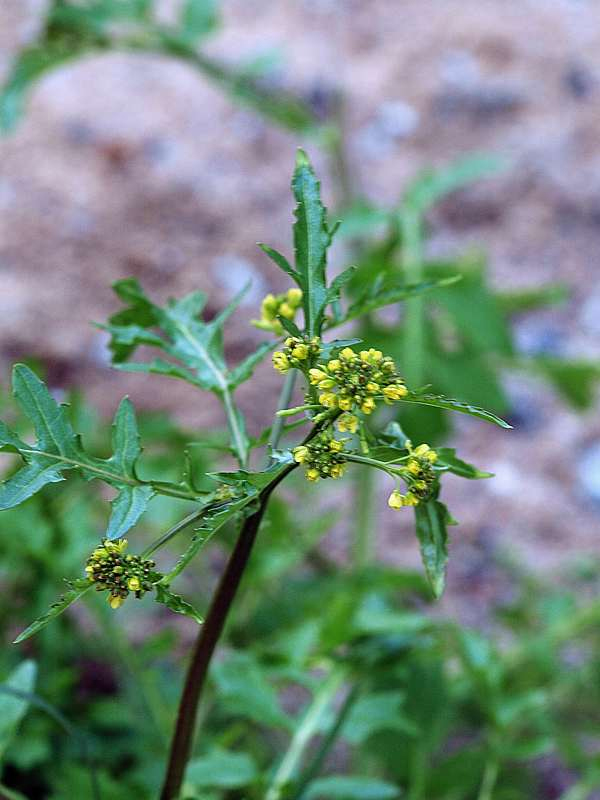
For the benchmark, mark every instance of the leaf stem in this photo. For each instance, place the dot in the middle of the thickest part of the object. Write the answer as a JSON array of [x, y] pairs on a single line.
[[490, 776], [240, 444], [304, 733], [285, 397]]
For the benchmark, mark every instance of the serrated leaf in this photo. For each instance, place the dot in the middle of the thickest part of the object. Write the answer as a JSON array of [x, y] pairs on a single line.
[[381, 296], [281, 262], [12, 708], [176, 603], [450, 404], [127, 507], [245, 369], [58, 449], [447, 457], [311, 240], [431, 520], [290, 326], [67, 599]]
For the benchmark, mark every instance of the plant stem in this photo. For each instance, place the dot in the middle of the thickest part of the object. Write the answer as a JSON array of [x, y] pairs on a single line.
[[414, 336], [304, 733], [206, 643], [364, 511], [490, 776], [284, 400]]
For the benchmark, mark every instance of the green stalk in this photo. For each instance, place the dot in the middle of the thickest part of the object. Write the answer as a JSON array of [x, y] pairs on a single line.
[[237, 436], [284, 400], [303, 735], [490, 776], [364, 510], [414, 334]]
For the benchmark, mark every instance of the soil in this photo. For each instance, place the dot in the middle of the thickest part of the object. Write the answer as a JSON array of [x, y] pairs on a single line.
[[135, 165]]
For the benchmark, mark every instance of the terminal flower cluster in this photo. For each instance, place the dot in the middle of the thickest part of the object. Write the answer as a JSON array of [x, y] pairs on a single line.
[[356, 381], [323, 457], [111, 570], [281, 305]]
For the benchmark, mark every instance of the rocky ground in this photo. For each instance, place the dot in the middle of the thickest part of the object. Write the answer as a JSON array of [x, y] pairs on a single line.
[[136, 166]]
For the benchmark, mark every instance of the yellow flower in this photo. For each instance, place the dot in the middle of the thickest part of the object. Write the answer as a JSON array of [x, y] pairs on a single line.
[[336, 446], [133, 584], [347, 423], [424, 451], [326, 384], [300, 352], [374, 388], [285, 310], [345, 403], [317, 375], [268, 306], [410, 499], [413, 466], [337, 471], [115, 601], [334, 365], [348, 354], [394, 392], [368, 405], [312, 474], [280, 361], [328, 399], [396, 500], [300, 454], [294, 297], [371, 356]]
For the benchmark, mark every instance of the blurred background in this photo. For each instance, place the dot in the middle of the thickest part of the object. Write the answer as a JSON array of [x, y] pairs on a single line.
[[139, 164]]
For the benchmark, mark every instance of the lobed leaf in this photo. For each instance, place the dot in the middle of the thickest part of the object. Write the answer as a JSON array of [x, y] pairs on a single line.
[[448, 403], [77, 591], [176, 603]]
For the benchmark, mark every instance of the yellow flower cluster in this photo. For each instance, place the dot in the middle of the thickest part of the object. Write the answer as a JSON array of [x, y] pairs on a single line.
[[296, 353], [355, 381], [322, 457], [419, 475], [110, 569], [280, 305]]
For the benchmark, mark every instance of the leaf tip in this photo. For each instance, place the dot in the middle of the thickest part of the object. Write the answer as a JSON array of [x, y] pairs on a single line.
[[302, 159]]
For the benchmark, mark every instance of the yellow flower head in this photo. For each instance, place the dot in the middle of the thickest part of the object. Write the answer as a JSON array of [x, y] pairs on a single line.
[[424, 451], [394, 392], [368, 405], [294, 297], [337, 471], [300, 351], [371, 356], [347, 423], [334, 365], [328, 399], [348, 354], [345, 403], [115, 601], [312, 474], [410, 499], [300, 454], [133, 584], [285, 310], [316, 376], [396, 500], [280, 361], [336, 446]]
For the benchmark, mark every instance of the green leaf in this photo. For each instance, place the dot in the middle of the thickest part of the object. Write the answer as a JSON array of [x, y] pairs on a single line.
[[281, 262], [447, 457], [199, 18], [454, 405], [311, 240], [222, 769], [516, 301], [373, 713], [430, 186], [127, 507], [68, 598], [350, 787], [12, 708], [576, 381], [245, 369], [59, 449], [176, 603], [382, 296], [431, 519]]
